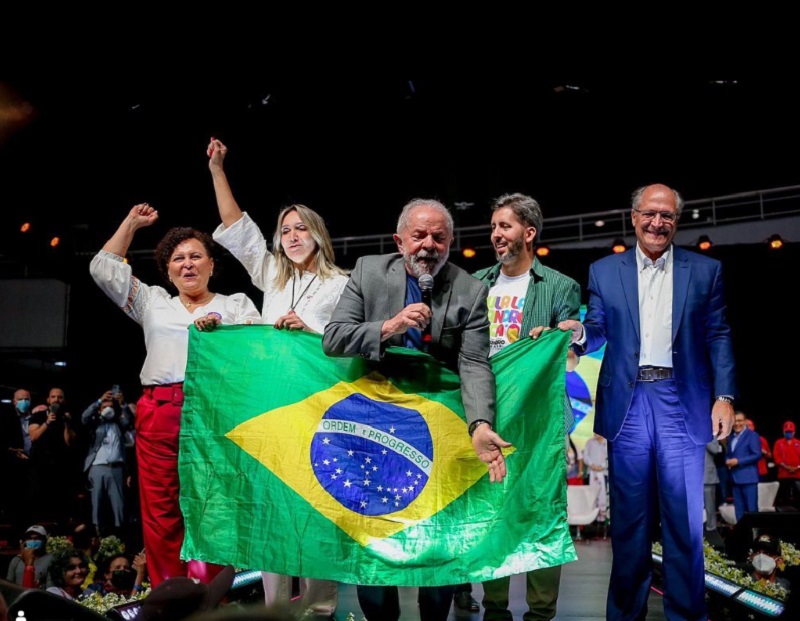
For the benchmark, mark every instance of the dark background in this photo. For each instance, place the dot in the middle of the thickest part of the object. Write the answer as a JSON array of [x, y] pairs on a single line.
[[77, 152]]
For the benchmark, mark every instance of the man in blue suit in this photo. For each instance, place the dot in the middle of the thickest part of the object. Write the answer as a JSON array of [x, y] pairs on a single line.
[[665, 389], [744, 451]]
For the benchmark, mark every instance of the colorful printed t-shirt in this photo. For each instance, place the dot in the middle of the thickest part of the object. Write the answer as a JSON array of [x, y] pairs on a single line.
[[505, 302]]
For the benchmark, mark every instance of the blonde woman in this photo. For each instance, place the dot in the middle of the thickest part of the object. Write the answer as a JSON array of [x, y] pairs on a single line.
[[301, 286]]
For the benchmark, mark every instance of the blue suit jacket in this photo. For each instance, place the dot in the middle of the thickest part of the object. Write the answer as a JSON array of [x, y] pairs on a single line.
[[748, 452], [702, 352]]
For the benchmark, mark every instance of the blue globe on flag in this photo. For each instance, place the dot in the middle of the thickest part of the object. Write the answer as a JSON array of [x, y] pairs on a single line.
[[374, 458]]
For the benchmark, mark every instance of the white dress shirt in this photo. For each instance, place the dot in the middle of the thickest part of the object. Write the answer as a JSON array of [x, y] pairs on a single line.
[[655, 308]]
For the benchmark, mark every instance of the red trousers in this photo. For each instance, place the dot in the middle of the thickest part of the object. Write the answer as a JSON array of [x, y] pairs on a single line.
[[158, 422]]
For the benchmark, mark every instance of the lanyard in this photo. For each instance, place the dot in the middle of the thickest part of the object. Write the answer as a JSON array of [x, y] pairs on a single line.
[[300, 297]]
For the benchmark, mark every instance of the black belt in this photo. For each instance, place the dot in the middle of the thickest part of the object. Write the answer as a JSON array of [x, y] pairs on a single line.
[[654, 374], [116, 464]]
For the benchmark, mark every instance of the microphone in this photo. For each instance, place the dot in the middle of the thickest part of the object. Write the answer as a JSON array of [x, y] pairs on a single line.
[[426, 287]]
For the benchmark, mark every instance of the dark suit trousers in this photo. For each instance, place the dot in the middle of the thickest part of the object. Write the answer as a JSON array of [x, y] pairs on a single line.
[[745, 498], [654, 463], [381, 603]]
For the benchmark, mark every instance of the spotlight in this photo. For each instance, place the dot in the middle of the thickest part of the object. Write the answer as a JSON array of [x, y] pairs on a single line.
[[25, 227], [55, 241], [468, 253], [542, 251], [618, 246], [600, 223], [704, 243], [775, 242]]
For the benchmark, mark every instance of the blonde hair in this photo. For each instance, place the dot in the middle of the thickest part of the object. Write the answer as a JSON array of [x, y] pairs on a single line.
[[323, 257]]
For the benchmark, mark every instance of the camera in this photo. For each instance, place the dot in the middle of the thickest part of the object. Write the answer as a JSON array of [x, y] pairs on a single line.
[[115, 391]]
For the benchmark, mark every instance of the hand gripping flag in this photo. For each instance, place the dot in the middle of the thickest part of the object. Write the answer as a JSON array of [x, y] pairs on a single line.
[[338, 468]]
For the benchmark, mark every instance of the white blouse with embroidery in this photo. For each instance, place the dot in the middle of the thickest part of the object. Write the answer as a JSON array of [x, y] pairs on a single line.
[[163, 317], [314, 299]]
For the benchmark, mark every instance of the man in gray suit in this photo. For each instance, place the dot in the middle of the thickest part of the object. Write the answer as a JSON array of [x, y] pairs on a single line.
[[382, 306]]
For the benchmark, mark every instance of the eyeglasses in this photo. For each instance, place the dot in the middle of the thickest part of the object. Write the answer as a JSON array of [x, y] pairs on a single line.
[[81, 566], [666, 216]]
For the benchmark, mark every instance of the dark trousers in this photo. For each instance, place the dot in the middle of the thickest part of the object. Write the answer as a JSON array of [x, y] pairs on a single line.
[[745, 498], [382, 603], [541, 593]]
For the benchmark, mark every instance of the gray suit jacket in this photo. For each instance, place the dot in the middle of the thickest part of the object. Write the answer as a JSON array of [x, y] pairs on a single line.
[[376, 292], [710, 474]]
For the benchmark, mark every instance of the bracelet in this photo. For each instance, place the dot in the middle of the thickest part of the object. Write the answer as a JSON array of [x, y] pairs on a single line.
[[725, 399], [474, 425]]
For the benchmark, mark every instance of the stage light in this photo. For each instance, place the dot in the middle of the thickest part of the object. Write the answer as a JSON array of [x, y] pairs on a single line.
[[25, 227], [775, 242], [542, 251], [599, 223], [468, 253], [704, 243], [55, 241], [618, 246]]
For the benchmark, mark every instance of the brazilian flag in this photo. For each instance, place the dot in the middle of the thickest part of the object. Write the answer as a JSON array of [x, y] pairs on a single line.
[[342, 469]]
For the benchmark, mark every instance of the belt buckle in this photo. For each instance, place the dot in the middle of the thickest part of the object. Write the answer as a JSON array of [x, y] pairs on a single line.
[[646, 374]]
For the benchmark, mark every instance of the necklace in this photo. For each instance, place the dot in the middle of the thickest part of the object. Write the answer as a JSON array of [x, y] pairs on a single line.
[[203, 301], [300, 297]]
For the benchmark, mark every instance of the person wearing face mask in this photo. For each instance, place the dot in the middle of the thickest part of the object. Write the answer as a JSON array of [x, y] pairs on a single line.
[[120, 576], [786, 454], [108, 418], [185, 258], [766, 559], [15, 447], [30, 567], [301, 285], [55, 478]]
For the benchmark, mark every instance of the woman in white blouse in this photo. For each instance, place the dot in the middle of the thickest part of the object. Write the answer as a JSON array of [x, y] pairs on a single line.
[[185, 259], [301, 286]]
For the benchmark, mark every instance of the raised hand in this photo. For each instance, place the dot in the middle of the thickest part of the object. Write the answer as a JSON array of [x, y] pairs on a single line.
[[216, 152], [142, 215]]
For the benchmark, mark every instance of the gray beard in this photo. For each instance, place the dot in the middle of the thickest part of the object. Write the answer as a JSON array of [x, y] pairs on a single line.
[[418, 268]]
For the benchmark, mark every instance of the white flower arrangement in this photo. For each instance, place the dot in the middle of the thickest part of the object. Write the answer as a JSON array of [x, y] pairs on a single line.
[[103, 603], [57, 544], [109, 546]]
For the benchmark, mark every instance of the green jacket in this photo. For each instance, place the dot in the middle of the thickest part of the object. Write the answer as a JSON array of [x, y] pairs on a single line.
[[551, 297]]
